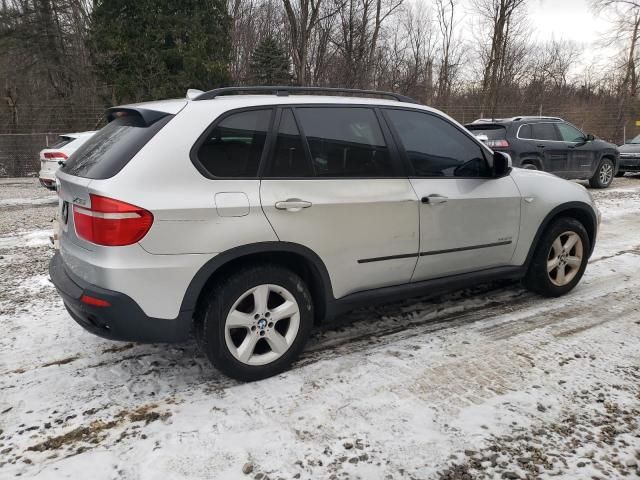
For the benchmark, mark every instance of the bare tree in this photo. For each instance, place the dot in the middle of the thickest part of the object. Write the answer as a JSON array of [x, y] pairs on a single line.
[[501, 19], [356, 39], [303, 17], [450, 56], [625, 35]]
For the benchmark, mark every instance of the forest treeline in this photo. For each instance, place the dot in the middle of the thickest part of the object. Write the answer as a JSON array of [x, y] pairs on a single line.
[[63, 61]]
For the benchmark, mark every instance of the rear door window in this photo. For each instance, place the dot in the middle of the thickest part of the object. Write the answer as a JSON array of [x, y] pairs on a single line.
[[111, 148], [345, 142], [544, 131], [234, 147]]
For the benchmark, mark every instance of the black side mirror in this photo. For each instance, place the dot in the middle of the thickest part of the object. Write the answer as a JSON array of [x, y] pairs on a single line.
[[502, 164], [590, 137]]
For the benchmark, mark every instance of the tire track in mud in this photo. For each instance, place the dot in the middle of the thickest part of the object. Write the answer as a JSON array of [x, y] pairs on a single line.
[[593, 300]]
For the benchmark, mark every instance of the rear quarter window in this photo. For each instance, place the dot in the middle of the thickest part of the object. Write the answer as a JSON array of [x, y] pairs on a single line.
[[112, 147], [525, 132], [233, 147]]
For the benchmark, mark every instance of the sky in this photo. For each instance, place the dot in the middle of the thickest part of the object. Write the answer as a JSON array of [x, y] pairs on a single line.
[[572, 20], [565, 19]]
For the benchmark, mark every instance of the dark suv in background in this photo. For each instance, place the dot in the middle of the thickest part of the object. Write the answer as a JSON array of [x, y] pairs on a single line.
[[552, 145]]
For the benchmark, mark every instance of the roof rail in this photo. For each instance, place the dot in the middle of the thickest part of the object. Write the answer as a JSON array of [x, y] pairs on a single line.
[[535, 117], [284, 91], [487, 120]]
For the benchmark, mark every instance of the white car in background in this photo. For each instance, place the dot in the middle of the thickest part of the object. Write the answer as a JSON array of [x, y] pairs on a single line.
[[59, 152]]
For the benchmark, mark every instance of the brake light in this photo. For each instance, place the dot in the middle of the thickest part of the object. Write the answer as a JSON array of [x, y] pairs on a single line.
[[498, 144], [54, 155], [93, 301], [111, 222]]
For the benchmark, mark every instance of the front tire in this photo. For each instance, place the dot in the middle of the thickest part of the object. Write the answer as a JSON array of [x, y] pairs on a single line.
[[604, 174], [560, 258], [255, 323]]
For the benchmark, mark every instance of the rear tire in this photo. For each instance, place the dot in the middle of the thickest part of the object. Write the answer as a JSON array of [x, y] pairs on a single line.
[[560, 258], [255, 323], [604, 174], [529, 166]]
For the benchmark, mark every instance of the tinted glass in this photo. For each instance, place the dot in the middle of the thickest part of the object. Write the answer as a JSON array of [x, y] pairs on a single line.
[[569, 133], [345, 142], [544, 131], [436, 148], [493, 133], [289, 158], [234, 147], [111, 148], [525, 131]]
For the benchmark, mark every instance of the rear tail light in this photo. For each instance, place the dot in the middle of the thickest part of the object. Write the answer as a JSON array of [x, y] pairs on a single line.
[[498, 144], [111, 222], [55, 155]]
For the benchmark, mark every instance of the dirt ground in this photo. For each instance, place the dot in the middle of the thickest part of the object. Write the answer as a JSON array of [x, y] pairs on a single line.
[[490, 382]]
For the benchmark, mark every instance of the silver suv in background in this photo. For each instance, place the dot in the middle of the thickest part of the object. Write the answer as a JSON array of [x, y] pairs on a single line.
[[52, 156], [247, 215]]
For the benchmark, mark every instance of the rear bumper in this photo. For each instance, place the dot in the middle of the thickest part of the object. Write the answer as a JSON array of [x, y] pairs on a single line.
[[123, 319]]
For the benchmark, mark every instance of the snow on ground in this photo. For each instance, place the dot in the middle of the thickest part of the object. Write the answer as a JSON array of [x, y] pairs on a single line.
[[491, 382], [51, 199], [36, 238]]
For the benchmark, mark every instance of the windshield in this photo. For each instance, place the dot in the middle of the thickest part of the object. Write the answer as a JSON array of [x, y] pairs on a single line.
[[635, 141], [62, 141]]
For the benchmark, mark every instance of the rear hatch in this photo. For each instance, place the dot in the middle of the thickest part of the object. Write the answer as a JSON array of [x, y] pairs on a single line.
[[105, 154], [50, 156], [496, 135]]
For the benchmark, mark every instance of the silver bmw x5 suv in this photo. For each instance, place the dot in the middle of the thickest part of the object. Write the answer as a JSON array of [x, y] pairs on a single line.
[[248, 215]]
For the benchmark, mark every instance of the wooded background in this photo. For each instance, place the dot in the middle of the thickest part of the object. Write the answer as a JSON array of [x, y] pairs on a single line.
[[62, 62]]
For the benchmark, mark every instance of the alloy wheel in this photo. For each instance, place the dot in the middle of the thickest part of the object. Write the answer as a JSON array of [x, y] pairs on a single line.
[[606, 173], [565, 258], [262, 324]]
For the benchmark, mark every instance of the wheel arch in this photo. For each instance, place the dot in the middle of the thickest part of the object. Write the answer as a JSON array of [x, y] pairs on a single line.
[[613, 157], [298, 258], [532, 161], [580, 211]]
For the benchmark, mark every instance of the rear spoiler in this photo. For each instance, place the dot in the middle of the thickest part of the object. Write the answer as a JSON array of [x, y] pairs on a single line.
[[149, 117]]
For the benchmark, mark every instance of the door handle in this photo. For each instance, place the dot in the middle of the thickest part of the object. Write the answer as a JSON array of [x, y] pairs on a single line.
[[292, 204], [541, 146], [434, 199]]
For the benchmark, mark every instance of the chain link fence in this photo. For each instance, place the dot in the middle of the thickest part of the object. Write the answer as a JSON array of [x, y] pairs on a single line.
[[19, 152]]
